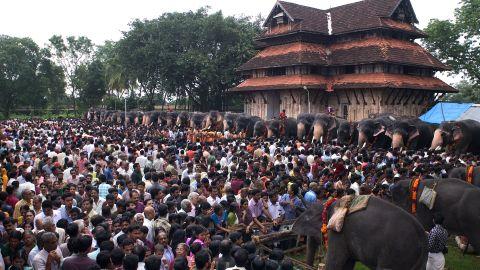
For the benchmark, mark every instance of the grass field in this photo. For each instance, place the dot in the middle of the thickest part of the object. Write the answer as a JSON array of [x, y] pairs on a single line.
[[455, 260]]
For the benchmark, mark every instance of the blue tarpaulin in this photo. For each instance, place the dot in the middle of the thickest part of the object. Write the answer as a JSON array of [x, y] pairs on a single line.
[[444, 111]]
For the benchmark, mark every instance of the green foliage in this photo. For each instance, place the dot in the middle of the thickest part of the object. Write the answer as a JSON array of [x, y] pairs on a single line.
[[191, 54], [70, 54], [468, 92], [456, 42], [19, 80], [90, 83]]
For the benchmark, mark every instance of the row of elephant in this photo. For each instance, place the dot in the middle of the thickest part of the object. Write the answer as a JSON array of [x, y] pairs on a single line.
[[384, 131], [387, 235]]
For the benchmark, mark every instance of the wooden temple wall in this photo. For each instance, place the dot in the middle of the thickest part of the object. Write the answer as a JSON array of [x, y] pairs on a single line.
[[353, 105]]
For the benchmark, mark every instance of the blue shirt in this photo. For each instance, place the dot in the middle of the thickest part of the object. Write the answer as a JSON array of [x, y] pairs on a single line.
[[290, 212]]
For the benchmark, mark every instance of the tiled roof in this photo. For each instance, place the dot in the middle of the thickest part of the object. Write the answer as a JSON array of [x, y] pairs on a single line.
[[382, 50], [358, 16], [348, 81], [385, 80], [288, 55], [365, 51], [281, 82]]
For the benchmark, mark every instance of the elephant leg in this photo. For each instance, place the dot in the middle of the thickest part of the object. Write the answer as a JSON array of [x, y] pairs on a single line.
[[312, 247], [337, 253]]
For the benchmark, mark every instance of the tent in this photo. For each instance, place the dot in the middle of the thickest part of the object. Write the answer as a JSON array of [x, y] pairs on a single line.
[[445, 111]]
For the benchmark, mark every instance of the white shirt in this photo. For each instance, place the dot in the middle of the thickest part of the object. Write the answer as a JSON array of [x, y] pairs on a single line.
[[275, 210], [142, 160], [56, 217], [151, 233], [40, 260], [213, 201]]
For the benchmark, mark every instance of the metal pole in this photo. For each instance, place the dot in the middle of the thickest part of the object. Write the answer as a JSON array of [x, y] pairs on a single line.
[[125, 121]]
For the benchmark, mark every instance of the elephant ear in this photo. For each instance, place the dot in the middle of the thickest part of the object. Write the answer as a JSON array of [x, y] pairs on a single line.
[[412, 133], [309, 222], [379, 128], [332, 125]]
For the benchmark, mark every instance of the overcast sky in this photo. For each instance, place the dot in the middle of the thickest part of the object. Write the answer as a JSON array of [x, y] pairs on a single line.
[[102, 20]]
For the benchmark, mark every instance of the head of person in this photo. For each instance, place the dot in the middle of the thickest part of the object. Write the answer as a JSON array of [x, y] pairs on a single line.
[[49, 240], [130, 262]]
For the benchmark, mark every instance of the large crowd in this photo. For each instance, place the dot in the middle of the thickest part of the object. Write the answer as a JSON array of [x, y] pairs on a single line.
[[82, 195]]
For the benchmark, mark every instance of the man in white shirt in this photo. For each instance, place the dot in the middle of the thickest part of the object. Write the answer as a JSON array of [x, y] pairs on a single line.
[[141, 159], [149, 214], [274, 207], [50, 252], [214, 199], [47, 211]]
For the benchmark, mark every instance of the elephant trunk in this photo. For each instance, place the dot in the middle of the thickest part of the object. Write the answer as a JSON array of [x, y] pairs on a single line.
[[208, 123], [317, 132], [269, 132], [362, 138], [225, 125], [312, 247], [300, 130], [397, 141], [437, 140]]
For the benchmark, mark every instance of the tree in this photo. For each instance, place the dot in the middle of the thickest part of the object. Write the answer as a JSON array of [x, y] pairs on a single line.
[[456, 42], [53, 81], [191, 54], [90, 83], [19, 80], [467, 93], [71, 54]]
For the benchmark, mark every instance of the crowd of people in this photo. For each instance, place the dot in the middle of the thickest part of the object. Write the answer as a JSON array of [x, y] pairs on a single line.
[[85, 195]]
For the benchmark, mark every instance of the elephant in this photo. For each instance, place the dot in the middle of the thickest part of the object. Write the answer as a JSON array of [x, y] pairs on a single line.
[[229, 121], [197, 120], [461, 173], [457, 201], [371, 131], [147, 117], [411, 133], [246, 124], [347, 133], [214, 121], [458, 134], [171, 119], [325, 127], [382, 236], [183, 119], [161, 118], [260, 129], [304, 125], [278, 128]]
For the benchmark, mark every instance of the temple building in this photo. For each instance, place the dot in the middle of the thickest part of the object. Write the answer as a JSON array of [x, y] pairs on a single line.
[[358, 60]]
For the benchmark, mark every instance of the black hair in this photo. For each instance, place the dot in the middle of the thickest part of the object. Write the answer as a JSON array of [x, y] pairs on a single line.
[[140, 252], [258, 263], [84, 242], [130, 262], [116, 256], [106, 246], [180, 263], [103, 259], [271, 265], [202, 258], [241, 257], [152, 262], [72, 229]]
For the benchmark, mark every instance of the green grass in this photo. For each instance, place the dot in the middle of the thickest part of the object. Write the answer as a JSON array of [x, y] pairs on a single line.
[[455, 260]]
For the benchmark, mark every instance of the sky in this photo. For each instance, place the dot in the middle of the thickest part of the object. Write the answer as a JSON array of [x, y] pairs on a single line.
[[102, 20]]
